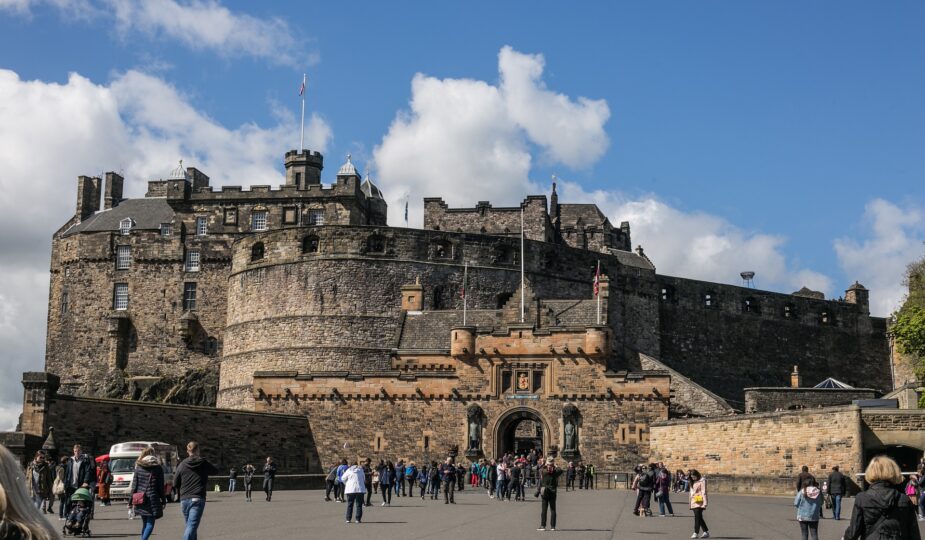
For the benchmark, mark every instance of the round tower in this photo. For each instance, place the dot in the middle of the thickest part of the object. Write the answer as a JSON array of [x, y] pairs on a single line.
[[462, 341], [597, 342], [303, 168]]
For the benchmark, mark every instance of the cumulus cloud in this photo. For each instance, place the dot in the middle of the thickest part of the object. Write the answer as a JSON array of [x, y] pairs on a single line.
[[894, 236], [53, 132], [198, 24], [464, 138]]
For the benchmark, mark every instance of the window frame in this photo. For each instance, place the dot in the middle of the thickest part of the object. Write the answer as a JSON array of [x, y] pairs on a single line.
[[202, 226], [120, 296], [292, 211], [258, 252], [188, 260], [123, 257], [190, 295], [254, 218], [230, 216], [315, 216], [125, 226], [166, 230]]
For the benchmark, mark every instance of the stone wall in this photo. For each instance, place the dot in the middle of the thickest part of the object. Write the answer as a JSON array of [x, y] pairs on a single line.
[[774, 399], [484, 219], [763, 453], [687, 397]]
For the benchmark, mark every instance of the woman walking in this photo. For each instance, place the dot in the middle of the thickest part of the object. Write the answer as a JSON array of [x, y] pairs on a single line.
[[698, 503], [809, 509], [354, 488], [269, 475], [549, 481], [882, 511], [386, 479], [249, 471], [663, 492], [148, 491]]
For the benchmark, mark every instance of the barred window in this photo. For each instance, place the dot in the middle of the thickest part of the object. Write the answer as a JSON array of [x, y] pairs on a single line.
[[202, 226], [259, 221], [316, 217], [120, 296], [165, 229], [189, 296], [192, 260], [123, 257]]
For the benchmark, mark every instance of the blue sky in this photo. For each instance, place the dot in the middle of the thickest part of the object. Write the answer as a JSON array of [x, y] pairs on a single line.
[[783, 137]]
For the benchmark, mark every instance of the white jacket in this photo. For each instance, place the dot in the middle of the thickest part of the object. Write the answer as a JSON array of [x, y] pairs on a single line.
[[354, 480]]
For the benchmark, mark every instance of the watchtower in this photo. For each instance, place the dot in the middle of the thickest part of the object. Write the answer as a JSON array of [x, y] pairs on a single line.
[[303, 168]]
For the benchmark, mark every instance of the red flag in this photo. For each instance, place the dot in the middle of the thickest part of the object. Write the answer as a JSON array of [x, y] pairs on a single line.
[[597, 279]]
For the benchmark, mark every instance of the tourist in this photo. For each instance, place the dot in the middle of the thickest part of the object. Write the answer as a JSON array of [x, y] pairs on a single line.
[[581, 475], [460, 476], [339, 485], [517, 481], [57, 483], [589, 476], [837, 488], [921, 486], [354, 488], [39, 479], [386, 479], [104, 481], [698, 502], [501, 482], [912, 490], [433, 481], [422, 480], [448, 477], [269, 475], [663, 492], [474, 474], [399, 483], [147, 491], [20, 518], [809, 509], [546, 491], [411, 476], [570, 476], [59, 488], [644, 483], [232, 479], [78, 471], [375, 475], [368, 480], [491, 477], [881, 511], [249, 471], [190, 482], [803, 477]]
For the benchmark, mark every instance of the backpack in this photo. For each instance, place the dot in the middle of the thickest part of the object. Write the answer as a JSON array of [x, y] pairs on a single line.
[[887, 526], [645, 481]]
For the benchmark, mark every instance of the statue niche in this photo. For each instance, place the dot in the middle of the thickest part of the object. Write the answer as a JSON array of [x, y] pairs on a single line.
[[474, 416], [571, 420]]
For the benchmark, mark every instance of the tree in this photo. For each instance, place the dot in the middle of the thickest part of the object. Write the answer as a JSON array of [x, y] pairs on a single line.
[[909, 327]]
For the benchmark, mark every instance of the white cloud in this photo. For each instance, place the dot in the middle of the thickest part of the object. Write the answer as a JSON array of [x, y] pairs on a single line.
[[53, 132], [895, 237], [464, 139]]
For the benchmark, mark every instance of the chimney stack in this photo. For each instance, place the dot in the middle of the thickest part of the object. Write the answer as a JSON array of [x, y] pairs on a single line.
[[796, 380], [88, 196], [114, 183]]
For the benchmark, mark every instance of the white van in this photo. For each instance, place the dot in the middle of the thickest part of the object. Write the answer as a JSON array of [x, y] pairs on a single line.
[[122, 459]]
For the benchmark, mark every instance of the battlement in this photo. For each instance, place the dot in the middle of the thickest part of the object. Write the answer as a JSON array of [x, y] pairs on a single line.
[[496, 221]]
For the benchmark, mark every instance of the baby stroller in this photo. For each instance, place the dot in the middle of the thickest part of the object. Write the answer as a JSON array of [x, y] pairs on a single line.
[[77, 522]]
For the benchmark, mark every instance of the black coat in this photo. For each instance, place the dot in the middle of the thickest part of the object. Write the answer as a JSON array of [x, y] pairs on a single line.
[[870, 505], [150, 481], [837, 484]]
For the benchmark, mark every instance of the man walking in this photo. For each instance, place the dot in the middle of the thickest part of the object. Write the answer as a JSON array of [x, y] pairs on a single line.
[[269, 475], [190, 481], [354, 488], [837, 489], [368, 481], [39, 477], [77, 472], [448, 477]]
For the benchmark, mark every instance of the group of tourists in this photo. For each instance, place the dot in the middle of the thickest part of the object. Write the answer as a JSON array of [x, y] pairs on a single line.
[[656, 481]]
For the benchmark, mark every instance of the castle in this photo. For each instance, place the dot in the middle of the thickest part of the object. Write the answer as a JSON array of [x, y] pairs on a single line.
[[485, 331]]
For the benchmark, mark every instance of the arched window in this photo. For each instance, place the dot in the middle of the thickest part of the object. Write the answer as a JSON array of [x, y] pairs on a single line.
[[310, 244], [257, 252]]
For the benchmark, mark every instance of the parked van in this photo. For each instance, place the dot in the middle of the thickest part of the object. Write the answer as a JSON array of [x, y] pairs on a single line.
[[122, 459]]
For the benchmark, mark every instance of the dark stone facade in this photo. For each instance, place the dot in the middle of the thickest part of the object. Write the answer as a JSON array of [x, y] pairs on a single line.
[[785, 399]]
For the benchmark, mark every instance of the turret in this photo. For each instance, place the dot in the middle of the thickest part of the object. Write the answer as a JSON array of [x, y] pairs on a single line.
[[114, 183], [88, 196], [303, 168], [462, 341], [859, 295]]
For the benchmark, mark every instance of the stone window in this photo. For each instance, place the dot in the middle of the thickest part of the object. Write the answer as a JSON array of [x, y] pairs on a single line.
[[825, 318], [165, 229], [259, 220], [125, 226], [298, 179], [202, 226], [290, 215], [120, 296], [375, 244], [123, 257], [316, 216], [443, 249], [668, 294], [257, 252], [310, 244], [790, 311], [211, 346], [709, 299], [189, 296], [65, 302], [192, 260], [231, 216], [751, 305], [438, 297]]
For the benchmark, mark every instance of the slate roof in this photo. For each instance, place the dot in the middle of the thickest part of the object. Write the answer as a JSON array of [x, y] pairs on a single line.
[[147, 213], [568, 312], [431, 329], [589, 214]]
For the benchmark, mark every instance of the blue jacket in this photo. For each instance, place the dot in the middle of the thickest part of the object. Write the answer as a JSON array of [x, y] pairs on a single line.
[[340, 472], [809, 504], [386, 476]]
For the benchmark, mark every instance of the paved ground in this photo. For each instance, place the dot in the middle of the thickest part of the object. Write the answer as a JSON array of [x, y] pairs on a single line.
[[602, 514]]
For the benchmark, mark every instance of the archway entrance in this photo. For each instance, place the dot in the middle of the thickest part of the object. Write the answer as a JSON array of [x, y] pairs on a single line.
[[907, 457], [519, 432]]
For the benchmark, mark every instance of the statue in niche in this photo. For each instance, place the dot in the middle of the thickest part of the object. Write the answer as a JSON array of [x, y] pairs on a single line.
[[570, 421], [474, 415]]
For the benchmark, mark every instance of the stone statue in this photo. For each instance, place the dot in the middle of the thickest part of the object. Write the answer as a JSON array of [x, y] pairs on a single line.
[[569, 435], [570, 421], [474, 415]]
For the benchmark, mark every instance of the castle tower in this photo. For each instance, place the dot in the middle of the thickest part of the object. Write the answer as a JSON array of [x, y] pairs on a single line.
[[858, 294], [303, 168]]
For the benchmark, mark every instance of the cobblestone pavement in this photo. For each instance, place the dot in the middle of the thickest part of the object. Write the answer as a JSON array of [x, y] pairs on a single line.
[[585, 515]]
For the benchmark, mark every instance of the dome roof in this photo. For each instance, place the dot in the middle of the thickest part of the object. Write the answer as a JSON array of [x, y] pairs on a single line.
[[178, 173], [347, 169]]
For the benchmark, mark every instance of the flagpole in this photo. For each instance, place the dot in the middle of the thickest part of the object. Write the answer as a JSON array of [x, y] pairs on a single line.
[[465, 292], [597, 291], [522, 292], [302, 132]]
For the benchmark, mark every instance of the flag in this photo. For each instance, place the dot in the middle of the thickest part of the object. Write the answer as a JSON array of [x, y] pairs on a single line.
[[302, 88], [406, 211], [597, 279], [462, 290]]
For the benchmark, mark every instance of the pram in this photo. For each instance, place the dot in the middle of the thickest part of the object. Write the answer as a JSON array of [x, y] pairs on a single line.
[[77, 522]]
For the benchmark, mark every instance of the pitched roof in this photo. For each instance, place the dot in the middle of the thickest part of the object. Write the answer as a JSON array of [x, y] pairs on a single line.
[[588, 214], [431, 329], [147, 213], [834, 383]]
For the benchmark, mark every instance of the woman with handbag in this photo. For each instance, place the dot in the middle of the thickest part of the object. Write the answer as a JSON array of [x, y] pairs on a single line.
[[59, 488], [148, 491], [546, 491], [698, 497]]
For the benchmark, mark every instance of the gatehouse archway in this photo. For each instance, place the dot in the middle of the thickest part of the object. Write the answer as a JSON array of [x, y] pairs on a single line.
[[519, 431]]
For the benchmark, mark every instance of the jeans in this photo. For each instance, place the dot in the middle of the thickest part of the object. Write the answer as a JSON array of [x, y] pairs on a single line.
[[328, 488], [809, 528], [268, 487], [37, 501], [500, 488], [231, 485], [664, 502], [449, 489], [62, 506], [836, 506], [549, 501], [410, 486], [355, 500], [147, 527], [399, 485], [369, 494], [247, 490], [386, 493], [192, 514], [699, 523], [922, 505]]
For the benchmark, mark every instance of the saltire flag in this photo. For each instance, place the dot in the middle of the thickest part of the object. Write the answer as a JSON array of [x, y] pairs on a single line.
[[597, 279], [302, 87]]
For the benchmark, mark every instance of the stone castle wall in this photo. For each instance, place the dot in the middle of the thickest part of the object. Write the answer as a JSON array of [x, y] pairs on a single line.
[[772, 399], [763, 453]]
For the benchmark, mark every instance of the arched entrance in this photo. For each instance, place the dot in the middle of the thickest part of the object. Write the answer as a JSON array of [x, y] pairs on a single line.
[[907, 457], [519, 432]]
